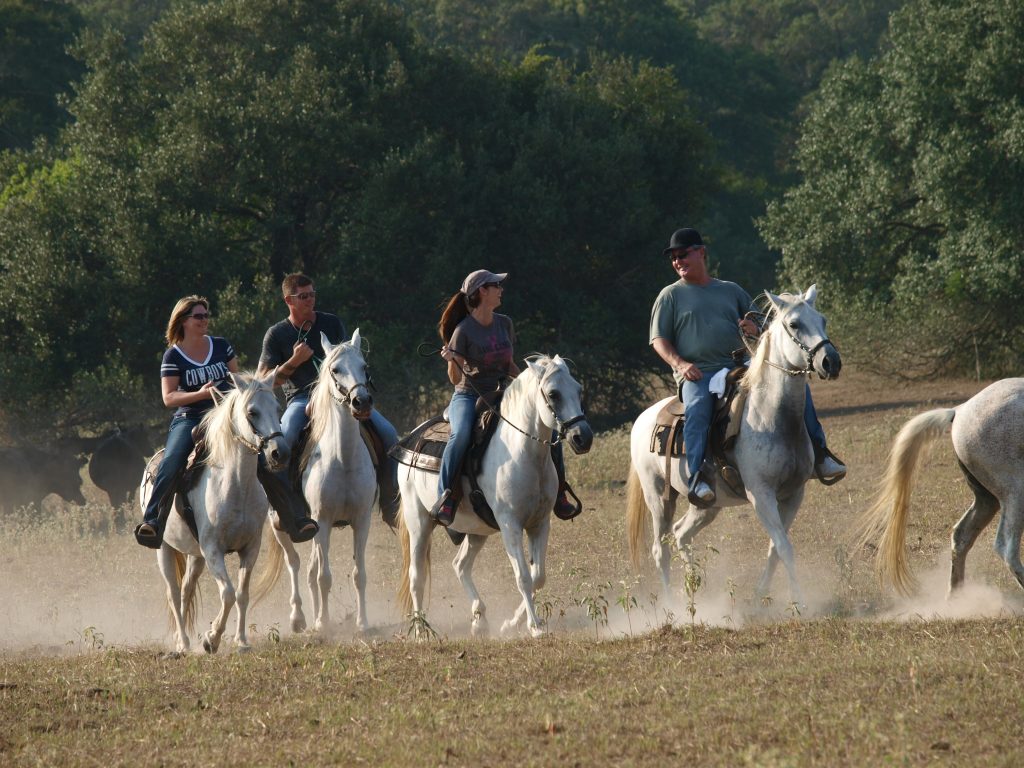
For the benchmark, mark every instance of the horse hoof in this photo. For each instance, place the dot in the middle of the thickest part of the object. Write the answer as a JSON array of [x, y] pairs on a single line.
[[243, 649], [480, 628], [298, 624], [537, 632], [208, 644]]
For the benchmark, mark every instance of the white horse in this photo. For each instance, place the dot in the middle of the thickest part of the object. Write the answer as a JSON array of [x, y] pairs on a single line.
[[772, 452], [230, 508], [987, 433], [338, 480], [518, 480]]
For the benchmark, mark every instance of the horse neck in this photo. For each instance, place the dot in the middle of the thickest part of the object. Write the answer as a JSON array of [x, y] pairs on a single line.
[[519, 410], [226, 453], [333, 427], [773, 394]]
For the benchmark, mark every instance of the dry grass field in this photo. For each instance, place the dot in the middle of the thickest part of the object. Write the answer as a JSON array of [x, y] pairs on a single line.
[[855, 677]]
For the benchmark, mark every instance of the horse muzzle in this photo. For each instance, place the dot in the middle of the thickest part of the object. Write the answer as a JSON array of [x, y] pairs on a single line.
[[827, 362], [580, 437]]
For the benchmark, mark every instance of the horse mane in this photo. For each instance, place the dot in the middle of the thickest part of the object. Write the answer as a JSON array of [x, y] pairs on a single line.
[[517, 390], [323, 416], [217, 423], [757, 370]]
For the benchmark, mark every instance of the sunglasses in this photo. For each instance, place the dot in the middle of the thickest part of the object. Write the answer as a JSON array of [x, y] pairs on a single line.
[[200, 316], [682, 254], [492, 285], [303, 296]]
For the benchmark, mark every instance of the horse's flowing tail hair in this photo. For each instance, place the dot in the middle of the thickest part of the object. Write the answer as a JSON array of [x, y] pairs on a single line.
[[886, 520], [189, 609], [273, 564], [636, 517]]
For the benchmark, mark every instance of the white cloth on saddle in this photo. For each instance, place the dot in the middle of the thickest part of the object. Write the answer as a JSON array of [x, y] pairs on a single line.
[[717, 384]]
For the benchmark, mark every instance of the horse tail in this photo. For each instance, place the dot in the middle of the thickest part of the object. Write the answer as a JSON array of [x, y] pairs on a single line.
[[189, 609], [636, 517], [270, 573], [404, 591], [886, 520]]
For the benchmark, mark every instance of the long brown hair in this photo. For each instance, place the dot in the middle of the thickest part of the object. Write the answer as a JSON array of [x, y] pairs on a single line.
[[459, 306], [176, 325]]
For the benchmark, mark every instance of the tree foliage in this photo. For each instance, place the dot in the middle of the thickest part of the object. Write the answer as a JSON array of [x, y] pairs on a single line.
[[244, 139], [909, 208]]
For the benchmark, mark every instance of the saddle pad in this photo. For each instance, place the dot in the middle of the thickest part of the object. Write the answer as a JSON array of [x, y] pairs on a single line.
[[660, 436], [423, 447]]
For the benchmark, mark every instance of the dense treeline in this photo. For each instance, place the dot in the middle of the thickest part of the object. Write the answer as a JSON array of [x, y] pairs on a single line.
[[389, 147]]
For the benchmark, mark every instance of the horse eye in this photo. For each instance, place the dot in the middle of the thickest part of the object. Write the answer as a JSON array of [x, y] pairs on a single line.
[[252, 412], [555, 396]]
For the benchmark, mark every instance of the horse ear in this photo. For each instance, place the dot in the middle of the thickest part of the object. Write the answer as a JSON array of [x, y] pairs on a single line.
[[537, 368], [326, 343], [357, 340], [268, 380], [776, 301], [812, 294]]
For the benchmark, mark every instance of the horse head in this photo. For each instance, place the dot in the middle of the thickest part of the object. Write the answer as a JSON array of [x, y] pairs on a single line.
[[347, 368], [252, 418], [562, 408], [801, 325]]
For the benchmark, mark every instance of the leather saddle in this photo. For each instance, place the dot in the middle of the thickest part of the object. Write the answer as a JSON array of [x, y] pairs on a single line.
[[424, 446], [667, 433]]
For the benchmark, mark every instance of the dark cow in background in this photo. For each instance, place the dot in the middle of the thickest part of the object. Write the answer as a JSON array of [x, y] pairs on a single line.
[[117, 463], [28, 474]]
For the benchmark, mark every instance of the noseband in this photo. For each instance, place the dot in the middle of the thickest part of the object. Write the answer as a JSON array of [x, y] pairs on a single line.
[[346, 392], [261, 440], [809, 353]]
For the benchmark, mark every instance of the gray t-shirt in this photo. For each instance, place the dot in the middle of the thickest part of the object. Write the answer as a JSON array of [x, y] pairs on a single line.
[[279, 343], [487, 350], [701, 321]]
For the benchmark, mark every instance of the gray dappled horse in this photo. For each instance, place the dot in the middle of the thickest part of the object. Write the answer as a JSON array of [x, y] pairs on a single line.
[[230, 507], [772, 452], [988, 434]]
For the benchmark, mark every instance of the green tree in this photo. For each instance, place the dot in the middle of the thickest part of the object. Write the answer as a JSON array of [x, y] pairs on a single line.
[[35, 69], [909, 209], [248, 138]]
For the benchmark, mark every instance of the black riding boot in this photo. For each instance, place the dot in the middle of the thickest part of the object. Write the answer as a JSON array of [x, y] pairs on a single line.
[[163, 511], [291, 506], [564, 509]]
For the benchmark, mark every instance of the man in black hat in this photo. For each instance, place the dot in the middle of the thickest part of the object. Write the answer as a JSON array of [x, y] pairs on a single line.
[[695, 326]]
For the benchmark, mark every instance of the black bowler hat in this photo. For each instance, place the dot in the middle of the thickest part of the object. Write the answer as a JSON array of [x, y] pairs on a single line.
[[683, 238]]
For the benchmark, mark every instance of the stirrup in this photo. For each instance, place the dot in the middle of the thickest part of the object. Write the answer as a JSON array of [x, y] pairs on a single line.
[[731, 477], [571, 509], [442, 512], [819, 459]]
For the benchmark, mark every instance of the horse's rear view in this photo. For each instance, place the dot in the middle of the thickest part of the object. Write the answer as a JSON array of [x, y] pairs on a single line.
[[988, 434]]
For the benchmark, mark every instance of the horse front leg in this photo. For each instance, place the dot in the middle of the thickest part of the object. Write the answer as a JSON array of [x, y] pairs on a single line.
[[219, 571], [537, 541], [166, 560], [360, 533], [512, 536], [1008, 536], [246, 563], [463, 565], [297, 619], [321, 580], [776, 518]]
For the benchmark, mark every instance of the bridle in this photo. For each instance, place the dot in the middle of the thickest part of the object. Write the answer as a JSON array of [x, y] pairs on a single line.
[[346, 392], [809, 352], [261, 440]]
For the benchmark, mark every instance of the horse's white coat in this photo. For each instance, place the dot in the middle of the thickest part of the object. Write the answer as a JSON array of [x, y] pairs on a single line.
[[987, 433], [520, 484], [230, 509], [339, 481], [773, 451]]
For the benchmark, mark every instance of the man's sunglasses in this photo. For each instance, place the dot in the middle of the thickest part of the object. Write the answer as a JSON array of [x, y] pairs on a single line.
[[303, 296]]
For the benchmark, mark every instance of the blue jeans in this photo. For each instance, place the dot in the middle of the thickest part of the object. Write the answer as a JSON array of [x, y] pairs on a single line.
[[461, 412], [295, 419], [700, 405], [179, 445]]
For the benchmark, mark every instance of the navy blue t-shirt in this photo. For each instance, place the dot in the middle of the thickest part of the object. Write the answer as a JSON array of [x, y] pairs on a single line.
[[193, 374], [279, 342]]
